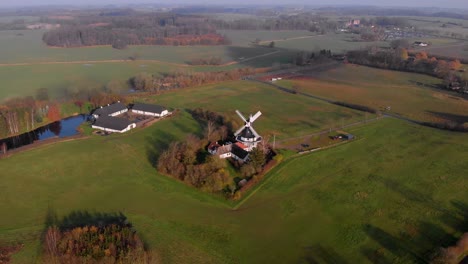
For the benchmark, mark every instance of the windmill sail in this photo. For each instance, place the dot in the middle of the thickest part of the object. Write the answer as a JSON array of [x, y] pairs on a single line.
[[257, 115], [241, 116]]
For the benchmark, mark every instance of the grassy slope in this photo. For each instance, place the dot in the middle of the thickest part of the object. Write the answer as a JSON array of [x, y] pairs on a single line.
[[380, 88], [373, 204]]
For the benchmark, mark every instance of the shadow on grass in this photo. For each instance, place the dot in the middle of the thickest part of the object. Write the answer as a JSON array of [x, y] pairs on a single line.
[[460, 119], [156, 144], [253, 56], [319, 254]]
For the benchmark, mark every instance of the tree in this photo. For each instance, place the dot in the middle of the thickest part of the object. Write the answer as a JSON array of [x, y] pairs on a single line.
[[402, 53], [421, 55], [257, 157], [143, 81], [271, 45], [455, 65], [400, 43], [54, 113]]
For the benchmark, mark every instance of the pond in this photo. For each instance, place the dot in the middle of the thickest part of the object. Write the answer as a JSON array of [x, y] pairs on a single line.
[[64, 128]]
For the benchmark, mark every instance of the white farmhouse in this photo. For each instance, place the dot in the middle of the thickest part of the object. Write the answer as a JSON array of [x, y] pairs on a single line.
[[149, 110]]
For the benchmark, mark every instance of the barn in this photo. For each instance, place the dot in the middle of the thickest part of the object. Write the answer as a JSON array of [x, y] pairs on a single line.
[[113, 124], [110, 110], [149, 110]]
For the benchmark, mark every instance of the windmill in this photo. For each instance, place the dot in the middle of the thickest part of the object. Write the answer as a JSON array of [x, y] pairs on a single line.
[[247, 134]]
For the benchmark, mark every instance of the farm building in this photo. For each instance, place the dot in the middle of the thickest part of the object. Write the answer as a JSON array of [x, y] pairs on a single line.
[[239, 154], [113, 124], [110, 110], [420, 44], [149, 110], [222, 151]]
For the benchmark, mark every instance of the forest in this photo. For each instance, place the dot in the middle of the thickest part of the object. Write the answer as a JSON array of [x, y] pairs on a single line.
[[122, 29]]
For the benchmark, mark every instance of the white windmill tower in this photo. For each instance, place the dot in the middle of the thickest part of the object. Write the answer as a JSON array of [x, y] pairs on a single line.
[[247, 134]]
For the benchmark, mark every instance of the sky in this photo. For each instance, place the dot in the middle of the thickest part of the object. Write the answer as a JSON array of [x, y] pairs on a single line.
[[412, 3]]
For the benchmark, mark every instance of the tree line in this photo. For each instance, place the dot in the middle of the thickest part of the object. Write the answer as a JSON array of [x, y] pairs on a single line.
[[182, 79], [132, 29]]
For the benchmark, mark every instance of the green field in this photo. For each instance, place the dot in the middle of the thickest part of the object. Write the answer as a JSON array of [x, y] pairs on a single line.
[[336, 42], [373, 206], [26, 46], [381, 88]]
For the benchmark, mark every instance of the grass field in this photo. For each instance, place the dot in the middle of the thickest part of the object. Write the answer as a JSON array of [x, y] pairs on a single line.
[[21, 46], [25, 80], [381, 88], [337, 43], [364, 210], [284, 114]]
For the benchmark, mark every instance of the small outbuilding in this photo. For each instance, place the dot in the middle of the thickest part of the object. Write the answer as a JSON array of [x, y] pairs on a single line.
[[110, 110], [348, 137], [113, 124], [149, 110]]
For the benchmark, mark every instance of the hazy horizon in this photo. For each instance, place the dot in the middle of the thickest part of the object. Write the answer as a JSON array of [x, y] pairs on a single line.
[[385, 3]]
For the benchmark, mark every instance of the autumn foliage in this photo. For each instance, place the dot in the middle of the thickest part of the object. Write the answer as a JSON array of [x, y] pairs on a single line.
[[53, 113]]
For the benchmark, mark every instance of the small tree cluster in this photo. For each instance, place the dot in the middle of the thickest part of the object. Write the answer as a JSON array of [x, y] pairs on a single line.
[[187, 161]]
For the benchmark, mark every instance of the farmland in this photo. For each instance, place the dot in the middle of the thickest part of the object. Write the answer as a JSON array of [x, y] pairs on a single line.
[[381, 88], [365, 209]]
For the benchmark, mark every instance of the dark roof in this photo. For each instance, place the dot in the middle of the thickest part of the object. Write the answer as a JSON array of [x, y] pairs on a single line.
[[148, 108], [110, 109], [247, 133], [240, 153], [111, 122]]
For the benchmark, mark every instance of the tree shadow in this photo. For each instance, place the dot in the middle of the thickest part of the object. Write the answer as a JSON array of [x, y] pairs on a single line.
[[257, 56], [97, 219], [398, 247], [459, 219], [460, 119], [156, 144], [319, 254]]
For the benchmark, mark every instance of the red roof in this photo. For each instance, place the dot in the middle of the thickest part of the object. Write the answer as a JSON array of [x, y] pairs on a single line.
[[240, 145]]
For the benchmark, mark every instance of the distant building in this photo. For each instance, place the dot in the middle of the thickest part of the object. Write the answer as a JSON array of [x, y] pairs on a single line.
[[420, 44], [353, 23], [149, 110], [113, 124], [110, 110]]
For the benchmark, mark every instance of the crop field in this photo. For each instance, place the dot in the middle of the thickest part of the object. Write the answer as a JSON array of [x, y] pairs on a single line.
[[382, 88], [458, 49], [364, 210], [446, 26]]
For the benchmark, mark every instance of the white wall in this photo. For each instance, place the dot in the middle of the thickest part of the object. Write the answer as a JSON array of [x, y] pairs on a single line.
[[163, 113], [133, 125]]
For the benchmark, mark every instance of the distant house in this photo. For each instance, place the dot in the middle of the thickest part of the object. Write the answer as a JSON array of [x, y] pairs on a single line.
[[353, 23], [113, 124], [149, 110], [348, 137], [110, 110], [420, 44]]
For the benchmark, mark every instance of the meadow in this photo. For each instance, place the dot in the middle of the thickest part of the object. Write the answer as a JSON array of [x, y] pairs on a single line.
[[336, 42], [308, 209], [383, 88]]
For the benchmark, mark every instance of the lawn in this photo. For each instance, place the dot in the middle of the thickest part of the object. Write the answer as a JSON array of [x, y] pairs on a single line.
[[381, 88], [373, 207]]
